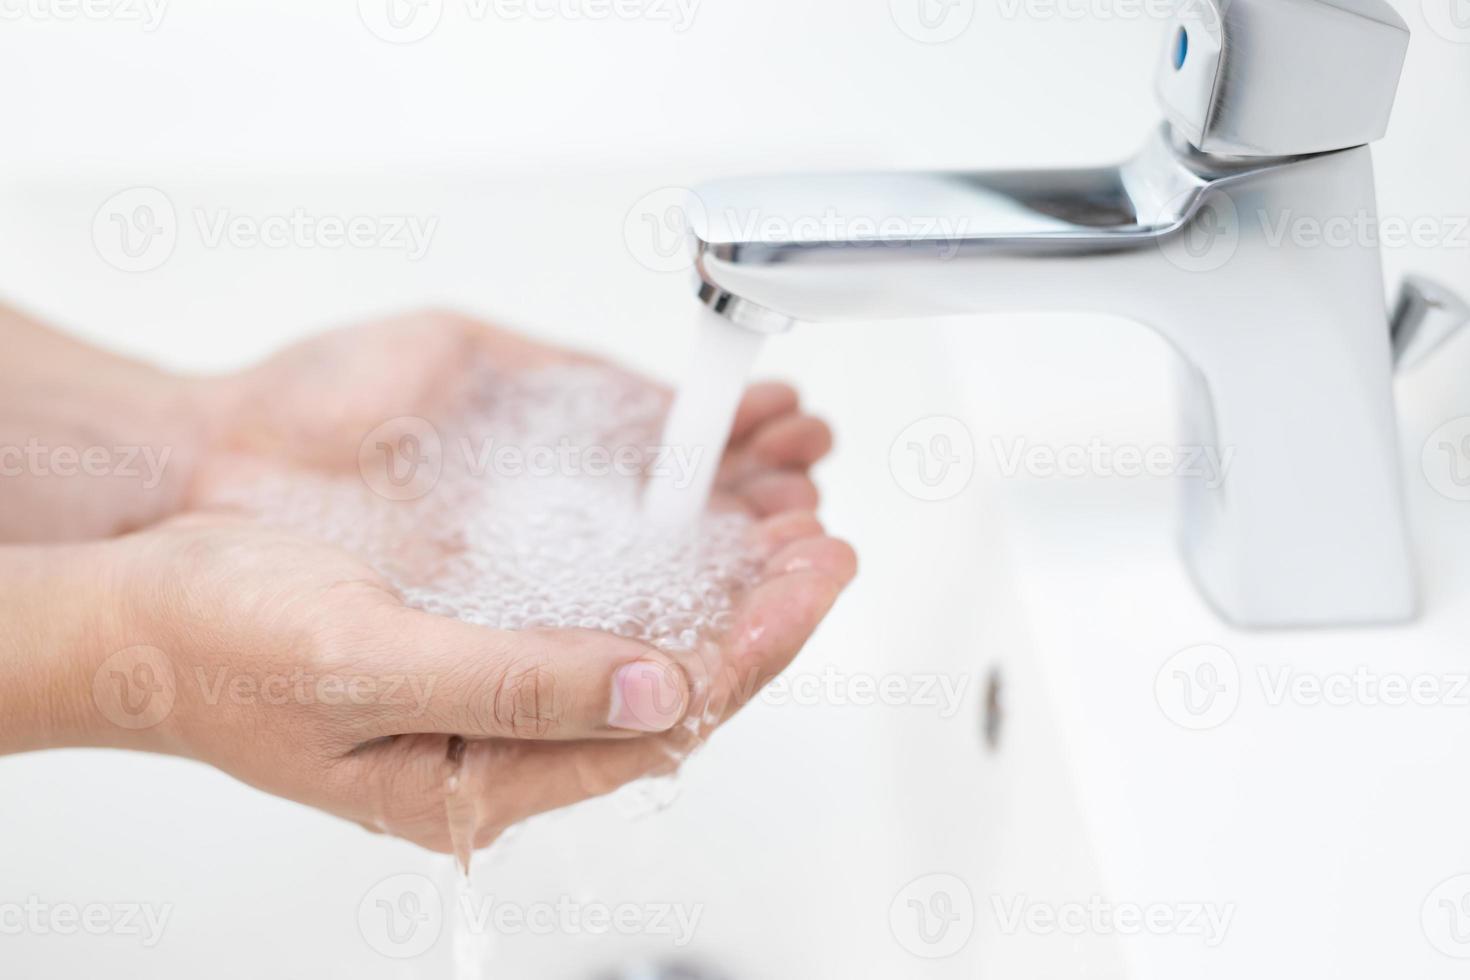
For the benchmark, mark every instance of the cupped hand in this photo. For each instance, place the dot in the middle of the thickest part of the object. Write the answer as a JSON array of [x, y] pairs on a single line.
[[297, 668], [310, 406]]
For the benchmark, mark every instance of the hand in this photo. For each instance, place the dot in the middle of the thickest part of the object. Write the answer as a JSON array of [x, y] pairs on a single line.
[[310, 406], [295, 668]]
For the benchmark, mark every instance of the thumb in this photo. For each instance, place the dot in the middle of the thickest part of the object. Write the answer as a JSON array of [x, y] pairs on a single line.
[[531, 684]]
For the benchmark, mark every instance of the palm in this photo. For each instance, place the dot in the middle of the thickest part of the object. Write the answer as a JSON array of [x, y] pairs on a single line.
[[309, 408]]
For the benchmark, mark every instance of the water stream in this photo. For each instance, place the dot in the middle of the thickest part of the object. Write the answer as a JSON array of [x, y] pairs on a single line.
[[699, 423]]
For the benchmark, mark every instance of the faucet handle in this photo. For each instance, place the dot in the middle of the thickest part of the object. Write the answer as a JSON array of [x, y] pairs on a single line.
[[1281, 77]]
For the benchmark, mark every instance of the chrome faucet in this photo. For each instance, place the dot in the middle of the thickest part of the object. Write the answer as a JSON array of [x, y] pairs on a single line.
[[1244, 232]]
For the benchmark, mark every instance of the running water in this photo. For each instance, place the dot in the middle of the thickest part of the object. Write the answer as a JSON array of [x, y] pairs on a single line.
[[699, 423], [563, 545]]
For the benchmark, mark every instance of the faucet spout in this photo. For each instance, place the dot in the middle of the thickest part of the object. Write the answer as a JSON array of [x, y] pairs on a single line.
[[1283, 336]]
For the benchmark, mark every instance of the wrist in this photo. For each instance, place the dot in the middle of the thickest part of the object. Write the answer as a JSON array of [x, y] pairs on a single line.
[[80, 665]]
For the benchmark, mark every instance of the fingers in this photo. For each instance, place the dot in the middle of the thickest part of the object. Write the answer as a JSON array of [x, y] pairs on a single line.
[[513, 783], [775, 493], [789, 442], [780, 615], [499, 783], [532, 684], [763, 401]]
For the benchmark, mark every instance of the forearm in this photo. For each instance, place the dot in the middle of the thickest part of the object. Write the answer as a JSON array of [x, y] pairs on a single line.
[[62, 615], [91, 443]]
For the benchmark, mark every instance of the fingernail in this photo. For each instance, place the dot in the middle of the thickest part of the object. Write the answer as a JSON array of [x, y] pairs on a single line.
[[647, 697]]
